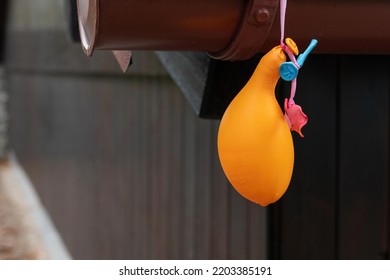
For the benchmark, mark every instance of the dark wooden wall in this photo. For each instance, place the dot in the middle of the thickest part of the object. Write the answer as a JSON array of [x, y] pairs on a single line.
[[338, 204]]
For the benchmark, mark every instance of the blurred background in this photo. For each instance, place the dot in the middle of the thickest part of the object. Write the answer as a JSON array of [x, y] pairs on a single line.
[[121, 167], [121, 162]]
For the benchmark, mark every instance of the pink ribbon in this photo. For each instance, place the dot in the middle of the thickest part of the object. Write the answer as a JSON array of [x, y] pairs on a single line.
[[294, 115]]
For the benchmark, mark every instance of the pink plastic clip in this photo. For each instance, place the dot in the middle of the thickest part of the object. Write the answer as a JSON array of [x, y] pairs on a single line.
[[294, 116]]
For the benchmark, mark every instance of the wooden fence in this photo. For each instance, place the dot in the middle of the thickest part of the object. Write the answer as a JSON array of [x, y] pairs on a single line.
[[337, 206]]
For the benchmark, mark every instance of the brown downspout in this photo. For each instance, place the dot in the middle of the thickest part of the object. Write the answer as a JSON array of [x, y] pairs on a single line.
[[228, 29], [233, 29], [340, 26]]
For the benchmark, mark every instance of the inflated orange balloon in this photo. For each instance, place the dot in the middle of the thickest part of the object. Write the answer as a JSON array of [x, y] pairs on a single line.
[[255, 145]]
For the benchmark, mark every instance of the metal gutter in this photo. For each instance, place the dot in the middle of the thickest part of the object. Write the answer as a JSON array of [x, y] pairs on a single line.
[[233, 29]]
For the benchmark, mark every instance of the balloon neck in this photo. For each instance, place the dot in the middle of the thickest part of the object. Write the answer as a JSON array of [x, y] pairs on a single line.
[[266, 73], [267, 78]]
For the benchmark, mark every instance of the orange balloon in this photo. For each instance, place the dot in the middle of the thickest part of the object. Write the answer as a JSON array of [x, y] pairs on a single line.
[[255, 145]]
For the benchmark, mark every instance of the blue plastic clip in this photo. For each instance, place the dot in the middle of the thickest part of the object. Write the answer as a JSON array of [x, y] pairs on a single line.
[[288, 71]]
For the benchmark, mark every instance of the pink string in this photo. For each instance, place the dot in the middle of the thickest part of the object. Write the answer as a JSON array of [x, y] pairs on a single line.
[[286, 49], [290, 54], [292, 92], [283, 7]]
